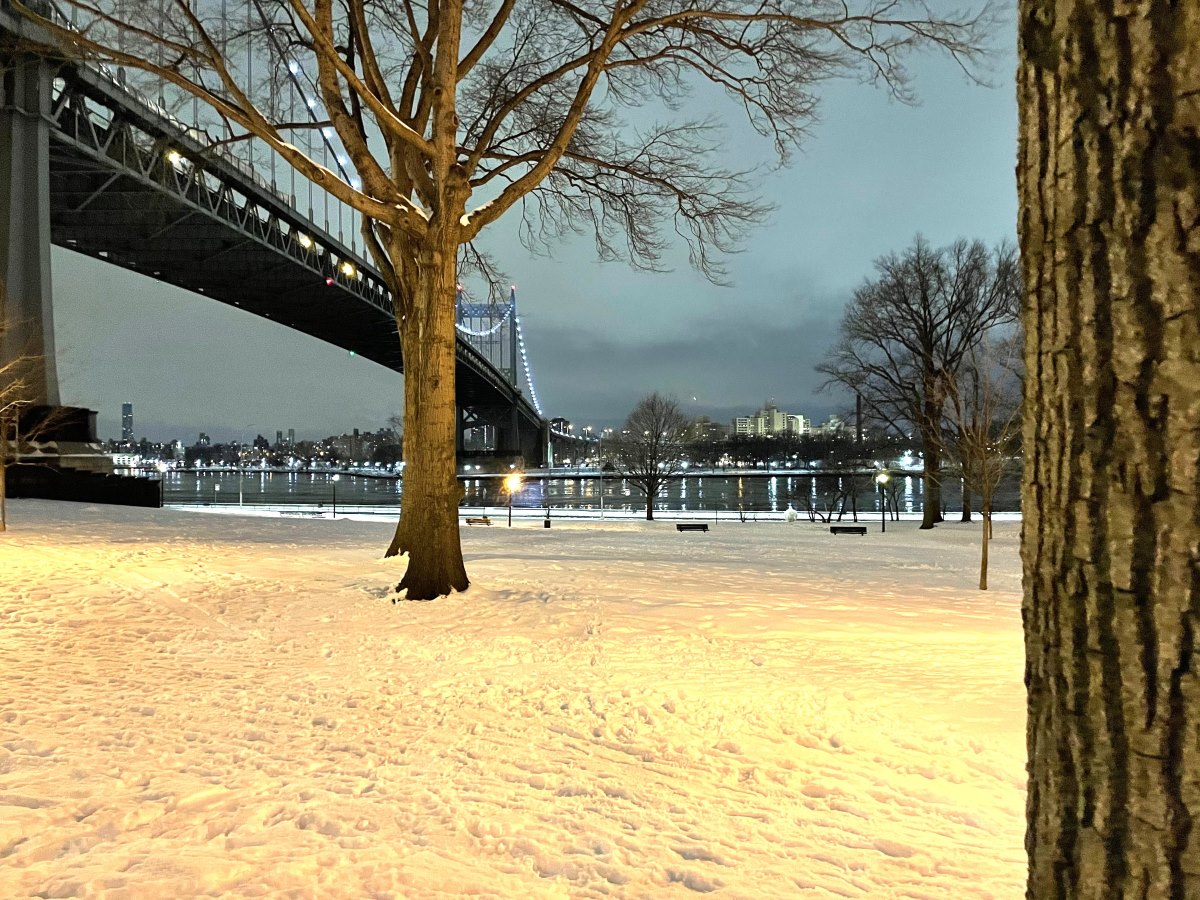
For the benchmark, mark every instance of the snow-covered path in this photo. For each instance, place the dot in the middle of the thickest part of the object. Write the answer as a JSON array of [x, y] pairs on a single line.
[[212, 705]]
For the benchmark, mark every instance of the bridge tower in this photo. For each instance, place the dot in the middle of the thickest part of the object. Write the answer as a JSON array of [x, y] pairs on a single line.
[[492, 329], [489, 430], [25, 295]]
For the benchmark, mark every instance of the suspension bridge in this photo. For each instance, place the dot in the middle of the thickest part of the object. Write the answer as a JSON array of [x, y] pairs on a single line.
[[93, 163]]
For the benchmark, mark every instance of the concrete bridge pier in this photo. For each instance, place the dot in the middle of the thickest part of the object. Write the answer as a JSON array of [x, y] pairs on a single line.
[[26, 313]]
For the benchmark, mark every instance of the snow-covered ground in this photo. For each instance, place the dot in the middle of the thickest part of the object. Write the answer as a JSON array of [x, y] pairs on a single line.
[[224, 706]]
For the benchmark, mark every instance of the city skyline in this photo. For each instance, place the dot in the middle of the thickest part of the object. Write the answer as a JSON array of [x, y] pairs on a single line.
[[600, 336], [289, 435]]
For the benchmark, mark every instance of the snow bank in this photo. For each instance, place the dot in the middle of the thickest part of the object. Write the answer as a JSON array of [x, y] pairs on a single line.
[[232, 706]]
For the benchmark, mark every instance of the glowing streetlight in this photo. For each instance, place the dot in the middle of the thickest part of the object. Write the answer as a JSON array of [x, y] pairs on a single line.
[[512, 484], [335, 481], [882, 479]]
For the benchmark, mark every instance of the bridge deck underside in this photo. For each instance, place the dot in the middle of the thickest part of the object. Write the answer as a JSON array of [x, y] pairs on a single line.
[[116, 217], [101, 211]]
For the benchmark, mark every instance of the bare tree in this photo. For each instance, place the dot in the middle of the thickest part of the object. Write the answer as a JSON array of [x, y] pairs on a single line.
[[983, 411], [1108, 176], [18, 386], [454, 113], [13, 398], [650, 449], [908, 331]]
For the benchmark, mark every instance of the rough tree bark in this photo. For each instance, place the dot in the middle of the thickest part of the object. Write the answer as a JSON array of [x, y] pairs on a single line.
[[1109, 180], [428, 526]]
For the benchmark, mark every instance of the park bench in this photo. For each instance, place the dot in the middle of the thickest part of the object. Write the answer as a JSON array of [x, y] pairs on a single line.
[[478, 520], [847, 529], [691, 526]]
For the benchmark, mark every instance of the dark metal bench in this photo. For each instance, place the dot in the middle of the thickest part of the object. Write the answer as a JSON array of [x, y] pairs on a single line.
[[478, 520], [847, 529], [691, 526]]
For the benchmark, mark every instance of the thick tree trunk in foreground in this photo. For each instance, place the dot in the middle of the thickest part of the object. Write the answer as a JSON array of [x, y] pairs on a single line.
[[428, 527], [1109, 180]]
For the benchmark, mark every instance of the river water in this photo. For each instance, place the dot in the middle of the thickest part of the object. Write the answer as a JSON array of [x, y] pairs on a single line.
[[583, 492]]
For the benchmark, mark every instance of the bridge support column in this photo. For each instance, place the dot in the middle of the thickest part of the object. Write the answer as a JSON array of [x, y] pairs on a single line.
[[25, 296]]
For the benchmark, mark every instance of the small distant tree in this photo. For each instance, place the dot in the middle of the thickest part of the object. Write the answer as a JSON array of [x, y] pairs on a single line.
[[11, 403], [829, 502], [906, 333], [650, 450], [14, 396], [983, 411], [17, 393]]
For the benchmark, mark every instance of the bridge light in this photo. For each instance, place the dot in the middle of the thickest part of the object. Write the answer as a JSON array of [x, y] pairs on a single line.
[[175, 158], [329, 281], [348, 269], [304, 240]]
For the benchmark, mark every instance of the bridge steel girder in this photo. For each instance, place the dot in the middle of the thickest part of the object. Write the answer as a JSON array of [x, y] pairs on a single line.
[[115, 190]]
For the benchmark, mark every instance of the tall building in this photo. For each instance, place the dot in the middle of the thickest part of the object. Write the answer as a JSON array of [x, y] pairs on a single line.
[[127, 421], [278, 438], [291, 437], [770, 421]]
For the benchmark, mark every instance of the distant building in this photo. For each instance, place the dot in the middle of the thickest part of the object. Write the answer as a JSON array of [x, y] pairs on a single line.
[[291, 437], [203, 440], [705, 429], [279, 438], [127, 421], [835, 425], [770, 421]]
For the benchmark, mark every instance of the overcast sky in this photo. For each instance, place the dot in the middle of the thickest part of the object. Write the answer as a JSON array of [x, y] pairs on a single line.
[[873, 174]]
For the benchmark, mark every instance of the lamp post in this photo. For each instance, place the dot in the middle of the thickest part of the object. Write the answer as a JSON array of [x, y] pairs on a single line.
[[216, 488], [882, 479], [512, 484], [335, 481]]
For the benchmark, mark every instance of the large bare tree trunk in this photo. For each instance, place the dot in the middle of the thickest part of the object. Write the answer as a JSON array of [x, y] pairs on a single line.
[[428, 527], [1109, 180]]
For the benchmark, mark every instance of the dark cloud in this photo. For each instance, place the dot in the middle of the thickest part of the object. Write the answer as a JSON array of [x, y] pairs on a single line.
[[720, 367]]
